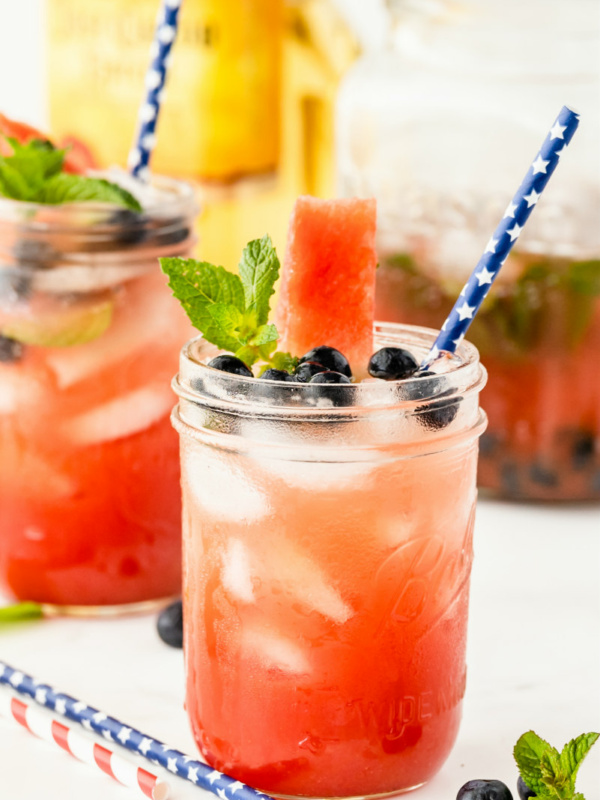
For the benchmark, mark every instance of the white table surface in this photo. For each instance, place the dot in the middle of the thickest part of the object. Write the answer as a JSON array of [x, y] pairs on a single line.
[[533, 662]]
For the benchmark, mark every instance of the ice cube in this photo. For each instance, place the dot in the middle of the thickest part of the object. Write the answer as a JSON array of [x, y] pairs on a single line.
[[145, 316], [236, 574], [83, 279], [292, 572], [221, 488], [123, 416], [275, 650], [318, 476], [47, 480], [17, 389]]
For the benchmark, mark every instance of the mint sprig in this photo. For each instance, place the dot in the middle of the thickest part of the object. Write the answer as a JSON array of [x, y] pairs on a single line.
[[550, 774], [20, 611], [33, 173], [232, 311]]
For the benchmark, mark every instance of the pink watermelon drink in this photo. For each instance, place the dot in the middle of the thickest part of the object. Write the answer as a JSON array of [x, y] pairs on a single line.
[[89, 472], [327, 542]]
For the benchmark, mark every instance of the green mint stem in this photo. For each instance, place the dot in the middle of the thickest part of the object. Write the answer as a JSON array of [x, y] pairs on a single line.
[[20, 611]]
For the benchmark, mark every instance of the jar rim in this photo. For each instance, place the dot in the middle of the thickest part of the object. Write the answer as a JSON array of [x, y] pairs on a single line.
[[202, 385], [175, 196]]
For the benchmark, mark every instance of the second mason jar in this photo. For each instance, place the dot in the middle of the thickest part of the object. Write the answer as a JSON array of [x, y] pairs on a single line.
[[439, 123], [89, 339]]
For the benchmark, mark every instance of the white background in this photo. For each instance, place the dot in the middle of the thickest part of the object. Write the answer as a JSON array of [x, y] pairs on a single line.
[[534, 647]]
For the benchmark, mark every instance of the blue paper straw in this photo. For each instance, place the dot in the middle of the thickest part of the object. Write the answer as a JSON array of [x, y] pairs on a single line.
[[164, 36], [197, 772], [504, 237]]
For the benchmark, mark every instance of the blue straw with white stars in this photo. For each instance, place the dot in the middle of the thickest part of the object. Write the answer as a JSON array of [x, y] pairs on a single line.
[[504, 237], [197, 772], [164, 36]]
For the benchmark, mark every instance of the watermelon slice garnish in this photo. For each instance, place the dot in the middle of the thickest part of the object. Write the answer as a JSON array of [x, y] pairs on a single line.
[[327, 294]]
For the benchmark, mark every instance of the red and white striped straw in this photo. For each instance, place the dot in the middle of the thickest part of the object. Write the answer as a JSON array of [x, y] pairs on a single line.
[[82, 747]]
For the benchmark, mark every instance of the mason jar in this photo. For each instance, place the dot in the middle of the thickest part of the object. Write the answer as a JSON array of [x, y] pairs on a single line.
[[327, 552], [89, 341], [439, 121]]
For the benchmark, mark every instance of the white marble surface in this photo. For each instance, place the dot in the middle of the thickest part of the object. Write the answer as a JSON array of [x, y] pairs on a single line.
[[534, 662]]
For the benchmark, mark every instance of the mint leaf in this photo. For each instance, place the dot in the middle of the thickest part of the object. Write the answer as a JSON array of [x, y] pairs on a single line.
[[200, 283], [20, 611], [259, 269], [550, 774], [264, 335], [33, 173], [574, 752], [224, 328], [528, 753], [12, 183], [67, 188], [231, 311], [285, 361], [584, 277]]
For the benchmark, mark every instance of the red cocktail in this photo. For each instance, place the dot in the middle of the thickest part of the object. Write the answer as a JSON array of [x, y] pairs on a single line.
[[89, 336]]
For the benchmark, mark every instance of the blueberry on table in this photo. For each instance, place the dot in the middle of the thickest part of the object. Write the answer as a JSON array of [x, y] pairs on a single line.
[[227, 363], [484, 790], [307, 370], [330, 377], [392, 364], [10, 350], [170, 624], [330, 358], [277, 375], [524, 791]]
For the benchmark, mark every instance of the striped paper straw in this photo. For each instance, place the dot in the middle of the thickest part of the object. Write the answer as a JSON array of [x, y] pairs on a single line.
[[504, 237], [82, 747], [197, 772], [164, 36]]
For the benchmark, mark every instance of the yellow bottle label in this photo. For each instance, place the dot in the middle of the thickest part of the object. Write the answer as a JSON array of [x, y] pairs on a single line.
[[220, 118]]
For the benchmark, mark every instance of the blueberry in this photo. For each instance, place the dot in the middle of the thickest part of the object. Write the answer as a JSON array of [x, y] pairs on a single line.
[[10, 350], [132, 226], [330, 358], [484, 790], [524, 791], [488, 444], [439, 414], [543, 476], [34, 251], [277, 375], [509, 479], [328, 388], [227, 363], [330, 377], [392, 364], [307, 370], [170, 624], [583, 449], [15, 284]]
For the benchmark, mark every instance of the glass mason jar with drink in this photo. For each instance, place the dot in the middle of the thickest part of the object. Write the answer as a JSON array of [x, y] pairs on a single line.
[[435, 123], [327, 561], [327, 520], [89, 336]]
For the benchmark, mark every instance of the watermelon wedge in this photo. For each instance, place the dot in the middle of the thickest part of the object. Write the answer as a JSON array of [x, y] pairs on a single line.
[[78, 159], [327, 293]]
